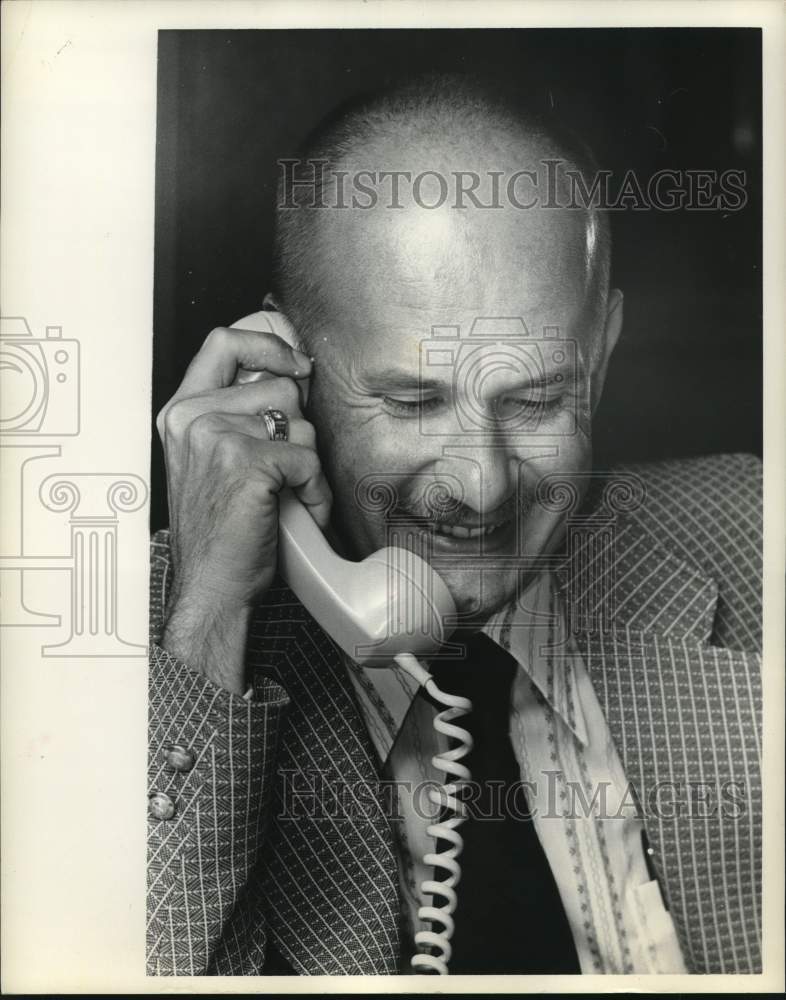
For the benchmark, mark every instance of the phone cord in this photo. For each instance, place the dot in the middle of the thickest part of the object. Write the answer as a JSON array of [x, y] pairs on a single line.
[[446, 829]]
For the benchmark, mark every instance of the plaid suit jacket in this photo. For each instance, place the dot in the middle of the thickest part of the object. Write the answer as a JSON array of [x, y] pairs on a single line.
[[235, 881]]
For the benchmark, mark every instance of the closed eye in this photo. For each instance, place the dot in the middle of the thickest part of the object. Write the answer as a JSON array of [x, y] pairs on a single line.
[[412, 407], [539, 403]]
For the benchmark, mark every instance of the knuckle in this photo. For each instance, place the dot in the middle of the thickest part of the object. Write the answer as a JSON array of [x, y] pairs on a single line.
[[173, 418], [204, 427], [218, 337], [161, 422]]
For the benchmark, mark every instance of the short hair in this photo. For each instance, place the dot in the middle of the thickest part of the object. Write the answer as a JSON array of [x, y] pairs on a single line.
[[417, 105]]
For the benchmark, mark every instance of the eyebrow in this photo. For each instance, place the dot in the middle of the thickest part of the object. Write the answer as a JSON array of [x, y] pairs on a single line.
[[395, 380]]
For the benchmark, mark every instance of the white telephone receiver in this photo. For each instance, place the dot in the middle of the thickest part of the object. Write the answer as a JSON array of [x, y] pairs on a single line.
[[390, 603], [391, 607]]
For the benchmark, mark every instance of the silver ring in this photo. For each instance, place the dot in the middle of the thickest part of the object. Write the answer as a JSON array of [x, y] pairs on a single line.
[[277, 424]]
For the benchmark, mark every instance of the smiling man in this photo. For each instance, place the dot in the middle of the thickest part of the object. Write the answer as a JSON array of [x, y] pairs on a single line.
[[451, 298]]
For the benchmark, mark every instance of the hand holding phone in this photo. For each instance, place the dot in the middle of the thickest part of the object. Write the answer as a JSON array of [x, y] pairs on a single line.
[[388, 609], [224, 476], [392, 602], [242, 505]]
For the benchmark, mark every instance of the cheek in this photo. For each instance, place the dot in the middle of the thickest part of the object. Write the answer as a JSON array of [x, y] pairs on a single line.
[[356, 452], [342, 461], [570, 454], [352, 448], [357, 442], [543, 485], [574, 454]]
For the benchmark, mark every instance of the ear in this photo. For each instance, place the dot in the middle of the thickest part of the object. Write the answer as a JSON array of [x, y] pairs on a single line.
[[611, 333], [285, 330], [270, 304]]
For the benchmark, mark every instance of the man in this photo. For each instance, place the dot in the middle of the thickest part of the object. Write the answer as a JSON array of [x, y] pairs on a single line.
[[609, 647]]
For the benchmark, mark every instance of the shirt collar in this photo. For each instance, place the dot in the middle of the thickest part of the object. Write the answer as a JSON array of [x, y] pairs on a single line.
[[533, 630], [526, 628]]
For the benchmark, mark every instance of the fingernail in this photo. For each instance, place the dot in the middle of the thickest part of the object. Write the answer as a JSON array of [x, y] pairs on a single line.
[[301, 357]]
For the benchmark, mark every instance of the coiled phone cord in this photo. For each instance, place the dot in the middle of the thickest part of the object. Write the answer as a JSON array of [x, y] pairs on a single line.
[[447, 829]]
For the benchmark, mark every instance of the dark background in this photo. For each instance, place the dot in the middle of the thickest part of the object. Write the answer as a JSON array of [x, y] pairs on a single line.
[[686, 377]]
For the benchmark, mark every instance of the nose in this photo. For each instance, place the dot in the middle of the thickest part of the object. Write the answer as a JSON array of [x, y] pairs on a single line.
[[486, 470]]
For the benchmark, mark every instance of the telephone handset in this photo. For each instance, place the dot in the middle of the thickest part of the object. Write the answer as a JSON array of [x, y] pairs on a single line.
[[390, 603], [390, 607]]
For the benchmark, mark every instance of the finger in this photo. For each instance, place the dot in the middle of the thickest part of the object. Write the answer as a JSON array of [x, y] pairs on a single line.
[[288, 463], [302, 471], [249, 399], [300, 432], [225, 350], [243, 375]]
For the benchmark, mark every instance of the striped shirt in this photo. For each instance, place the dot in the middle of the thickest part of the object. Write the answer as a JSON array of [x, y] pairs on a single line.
[[584, 811]]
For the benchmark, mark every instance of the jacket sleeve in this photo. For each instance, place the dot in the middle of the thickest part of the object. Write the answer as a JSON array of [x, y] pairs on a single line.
[[211, 761]]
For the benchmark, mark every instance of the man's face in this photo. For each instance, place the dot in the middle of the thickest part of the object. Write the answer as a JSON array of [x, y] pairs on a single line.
[[441, 436]]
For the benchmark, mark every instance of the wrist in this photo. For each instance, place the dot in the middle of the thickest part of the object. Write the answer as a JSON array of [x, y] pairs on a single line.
[[210, 637]]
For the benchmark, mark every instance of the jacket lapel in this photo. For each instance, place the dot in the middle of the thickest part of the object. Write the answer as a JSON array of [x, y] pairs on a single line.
[[685, 717], [329, 869], [683, 714]]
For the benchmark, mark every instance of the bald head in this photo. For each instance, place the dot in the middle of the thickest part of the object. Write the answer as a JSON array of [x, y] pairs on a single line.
[[439, 193]]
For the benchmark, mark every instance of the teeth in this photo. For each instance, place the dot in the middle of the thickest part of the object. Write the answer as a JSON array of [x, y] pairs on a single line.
[[458, 531]]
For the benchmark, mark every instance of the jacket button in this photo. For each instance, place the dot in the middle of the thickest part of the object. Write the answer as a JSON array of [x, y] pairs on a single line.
[[160, 806], [180, 758]]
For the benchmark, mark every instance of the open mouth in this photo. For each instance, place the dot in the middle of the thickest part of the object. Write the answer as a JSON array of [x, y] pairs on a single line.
[[471, 538], [483, 527], [461, 531], [491, 534]]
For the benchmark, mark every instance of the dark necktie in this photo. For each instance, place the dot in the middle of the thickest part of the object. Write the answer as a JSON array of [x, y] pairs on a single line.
[[509, 918]]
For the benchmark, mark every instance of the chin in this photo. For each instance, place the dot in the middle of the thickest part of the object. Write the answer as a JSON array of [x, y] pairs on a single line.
[[478, 596]]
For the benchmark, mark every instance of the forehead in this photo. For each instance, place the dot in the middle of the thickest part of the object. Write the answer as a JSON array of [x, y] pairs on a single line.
[[388, 278]]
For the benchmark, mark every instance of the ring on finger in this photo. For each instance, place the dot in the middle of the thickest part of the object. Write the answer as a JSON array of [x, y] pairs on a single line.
[[277, 424]]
